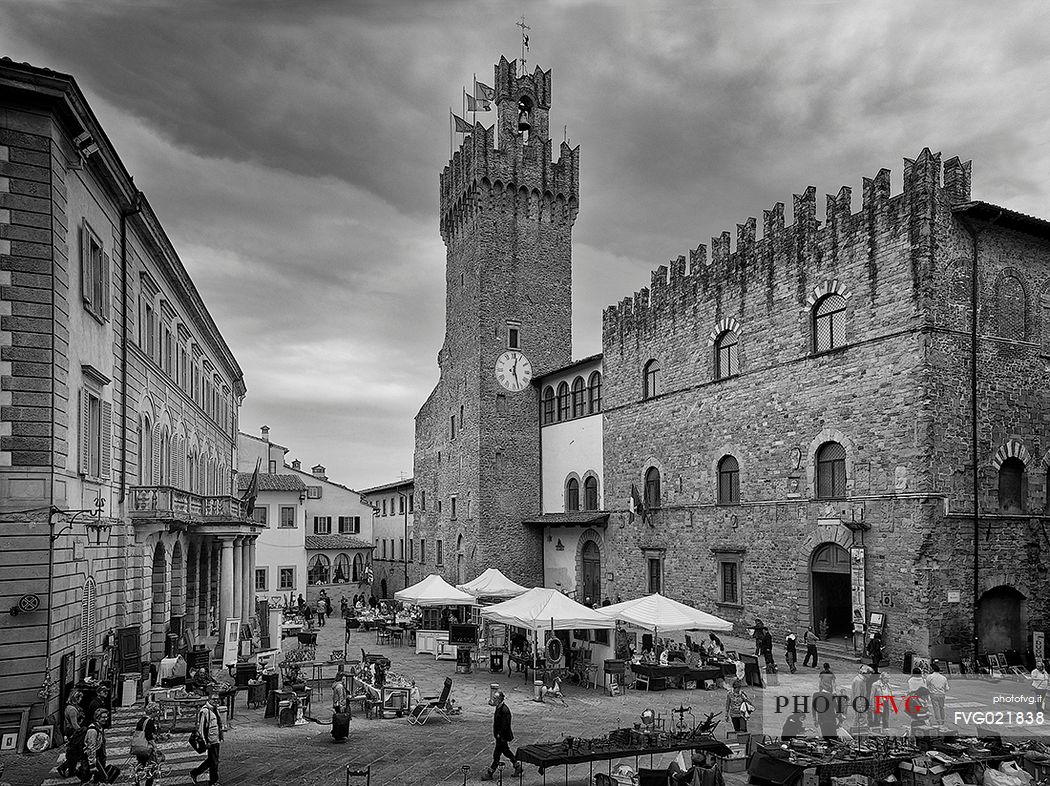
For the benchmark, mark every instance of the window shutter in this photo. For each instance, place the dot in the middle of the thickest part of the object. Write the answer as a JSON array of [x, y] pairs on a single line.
[[106, 449], [155, 480], [85, 436], [85, 263], [106, 297], [180, 462]]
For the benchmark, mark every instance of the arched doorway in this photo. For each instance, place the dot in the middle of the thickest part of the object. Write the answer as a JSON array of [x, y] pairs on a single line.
[[830, 589], [158, 609], [178, 578], [590, 573], [1001, 620]]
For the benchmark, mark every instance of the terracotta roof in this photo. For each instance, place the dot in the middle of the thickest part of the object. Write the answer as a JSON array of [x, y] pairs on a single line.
[[335, 542], [268, 482], [1004, 217], [580, 518], [574, 364]]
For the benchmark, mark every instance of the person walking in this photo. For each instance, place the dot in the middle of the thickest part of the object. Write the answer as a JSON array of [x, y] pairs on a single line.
[[759, 634], [144, 747], [1041, 682], [938, 685], [210, 731], [322, 612], [766, 646], [790, 652], [875, 651], [73, 730], [737, 706], [94, 755], [502, 732], [827, 679], [858, 694], [809, 638]]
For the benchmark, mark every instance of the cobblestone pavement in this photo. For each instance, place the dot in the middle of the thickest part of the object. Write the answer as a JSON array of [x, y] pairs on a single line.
[[256, 751]]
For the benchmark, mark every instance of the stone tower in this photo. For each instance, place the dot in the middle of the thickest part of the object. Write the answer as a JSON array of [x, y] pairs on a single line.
[[507, 212]]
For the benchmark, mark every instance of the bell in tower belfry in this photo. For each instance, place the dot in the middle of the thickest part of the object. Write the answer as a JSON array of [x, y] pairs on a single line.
[[524, 116]]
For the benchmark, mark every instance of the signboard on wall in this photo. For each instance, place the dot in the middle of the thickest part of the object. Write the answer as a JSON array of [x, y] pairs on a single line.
[[860, 607], [1038, 644], [230, 640]]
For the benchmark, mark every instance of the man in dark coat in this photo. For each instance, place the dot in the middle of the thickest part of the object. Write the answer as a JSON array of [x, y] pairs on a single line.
[[502, 732]]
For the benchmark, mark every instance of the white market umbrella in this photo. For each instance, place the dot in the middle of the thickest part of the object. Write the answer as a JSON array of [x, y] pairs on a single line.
[[493, 584], [656, 612], [434, 591], [540, 609]]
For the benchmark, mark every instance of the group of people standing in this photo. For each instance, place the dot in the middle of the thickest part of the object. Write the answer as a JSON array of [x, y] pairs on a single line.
[[322, 608], [764, 646]]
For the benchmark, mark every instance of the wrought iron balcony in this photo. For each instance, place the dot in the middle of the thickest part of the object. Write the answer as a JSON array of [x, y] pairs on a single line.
[[164, 503]]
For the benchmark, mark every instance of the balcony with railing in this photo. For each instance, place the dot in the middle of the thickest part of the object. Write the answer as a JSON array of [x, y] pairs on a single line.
[[164, 503]]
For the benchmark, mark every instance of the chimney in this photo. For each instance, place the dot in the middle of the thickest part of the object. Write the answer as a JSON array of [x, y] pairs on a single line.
[[296, 464], [265, 433], [319, 472]]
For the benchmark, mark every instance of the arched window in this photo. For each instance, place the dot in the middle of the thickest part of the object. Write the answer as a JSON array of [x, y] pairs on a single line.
[[728, 481], [319, 569], [191, 472], [652, 488], [594, 392], [651, 379], [590, 493], [572, 495], [831, 471], [358, 570], [1011, 485], [341, 569], [145, 446], [548, 404], [829, 323], [577, 397], [727, 357], [88, 620], [1012, 309], [165, 457], [563, 401]]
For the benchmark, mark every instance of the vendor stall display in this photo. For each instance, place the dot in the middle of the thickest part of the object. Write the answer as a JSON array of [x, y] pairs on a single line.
[[661, 614], [493, 584], [434, 595]]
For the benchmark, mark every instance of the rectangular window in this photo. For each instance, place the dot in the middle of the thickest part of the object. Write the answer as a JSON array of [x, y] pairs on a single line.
[[422, 550], [384, 548], [440, 553], [729, 575], [262, 580], [313, 492], [94, 273], [656, 570], [322, 525], [411, 549], [422, 499], [260, 514], [273, 467], [452, 426], [287, 517], [513, 335], [453, 509], [400, 506], [401, 549], [287, 579], [384, 507], [349, 525], [439, 506], [96, 427], [150, 330], [167, 352], [411, 501]]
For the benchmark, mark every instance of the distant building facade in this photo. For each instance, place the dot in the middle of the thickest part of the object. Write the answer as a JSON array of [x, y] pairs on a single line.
[[118, 413], [394, 506]]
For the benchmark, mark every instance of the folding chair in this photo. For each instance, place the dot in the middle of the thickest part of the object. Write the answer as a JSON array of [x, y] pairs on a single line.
[[434, 705]]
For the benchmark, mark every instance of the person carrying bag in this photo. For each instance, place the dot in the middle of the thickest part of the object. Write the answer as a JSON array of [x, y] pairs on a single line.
[[206, 739], [144, 748]]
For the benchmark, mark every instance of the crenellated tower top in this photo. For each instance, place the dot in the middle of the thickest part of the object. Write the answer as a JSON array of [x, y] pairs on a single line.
[[512, 156]]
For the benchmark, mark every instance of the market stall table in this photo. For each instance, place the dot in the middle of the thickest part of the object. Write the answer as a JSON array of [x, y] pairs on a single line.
[[553, 754], [655, 676]]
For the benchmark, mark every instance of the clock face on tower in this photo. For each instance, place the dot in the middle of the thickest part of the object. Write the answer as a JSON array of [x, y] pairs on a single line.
[[513, 370]]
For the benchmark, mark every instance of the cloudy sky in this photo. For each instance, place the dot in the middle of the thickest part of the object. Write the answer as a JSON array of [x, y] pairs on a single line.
[[292, 151]]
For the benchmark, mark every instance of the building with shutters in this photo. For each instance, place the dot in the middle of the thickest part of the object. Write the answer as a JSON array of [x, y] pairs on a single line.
[[394, 505], [119, 525]]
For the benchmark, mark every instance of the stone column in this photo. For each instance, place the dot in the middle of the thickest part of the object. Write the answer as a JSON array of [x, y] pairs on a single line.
[[249, 579], [204, 581], [246, 582], [238, 576], [227, 584]]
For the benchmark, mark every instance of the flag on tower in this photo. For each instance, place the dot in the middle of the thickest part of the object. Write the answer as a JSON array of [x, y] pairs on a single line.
[[476, 104], [462, 126], [635, 506], [483, 92]]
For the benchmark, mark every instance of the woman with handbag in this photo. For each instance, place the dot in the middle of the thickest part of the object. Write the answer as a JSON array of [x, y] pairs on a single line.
[[738, 707], [94, 759], [205, 739], [144, 747]]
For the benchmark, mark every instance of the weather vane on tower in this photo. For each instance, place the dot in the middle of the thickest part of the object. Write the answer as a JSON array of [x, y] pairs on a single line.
[[524, 41]]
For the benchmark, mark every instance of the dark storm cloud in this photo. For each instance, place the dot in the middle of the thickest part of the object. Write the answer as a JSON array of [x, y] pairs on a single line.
[[292, 151]]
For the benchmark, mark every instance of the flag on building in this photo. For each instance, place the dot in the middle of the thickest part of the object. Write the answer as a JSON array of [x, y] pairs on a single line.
[[462, 126], [635, 505], [369, 575], [476, 104], [483, 92], [252, 492]]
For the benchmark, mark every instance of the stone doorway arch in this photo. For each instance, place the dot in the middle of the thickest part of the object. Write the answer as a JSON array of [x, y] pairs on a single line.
[[159, 606], [830, 589]]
